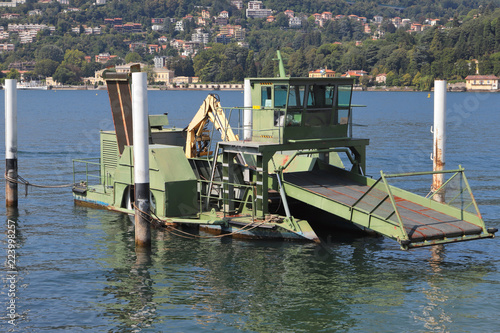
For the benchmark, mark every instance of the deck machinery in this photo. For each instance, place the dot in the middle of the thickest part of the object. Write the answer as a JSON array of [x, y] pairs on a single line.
[[295, 155]]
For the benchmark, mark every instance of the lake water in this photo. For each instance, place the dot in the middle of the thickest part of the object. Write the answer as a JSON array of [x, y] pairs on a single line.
[[77, 270]]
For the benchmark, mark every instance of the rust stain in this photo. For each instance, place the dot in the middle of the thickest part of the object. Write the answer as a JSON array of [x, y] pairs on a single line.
[[438, 159], [437, 179]]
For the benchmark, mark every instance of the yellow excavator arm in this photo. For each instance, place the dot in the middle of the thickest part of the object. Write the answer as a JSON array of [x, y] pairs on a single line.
[[198, 137]]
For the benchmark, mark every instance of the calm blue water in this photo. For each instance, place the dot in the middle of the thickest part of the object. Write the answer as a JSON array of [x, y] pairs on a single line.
[[78, 270]]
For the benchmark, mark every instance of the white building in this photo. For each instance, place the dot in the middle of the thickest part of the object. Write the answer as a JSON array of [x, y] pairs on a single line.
[[163, 75], [200, 36], [6, 47], [160, 62], [26, 27], [294, 22], [256, 10], [12, 3], [179, 26], [237, 3]]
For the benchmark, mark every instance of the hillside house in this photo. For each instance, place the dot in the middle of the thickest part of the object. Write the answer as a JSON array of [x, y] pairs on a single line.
[[323, 72], [481, 82]]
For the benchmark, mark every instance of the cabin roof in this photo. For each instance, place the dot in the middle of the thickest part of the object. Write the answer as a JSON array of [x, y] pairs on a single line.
[[304, 80]]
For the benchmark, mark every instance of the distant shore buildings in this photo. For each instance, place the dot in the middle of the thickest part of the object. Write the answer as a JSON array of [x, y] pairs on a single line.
[[481, 82]]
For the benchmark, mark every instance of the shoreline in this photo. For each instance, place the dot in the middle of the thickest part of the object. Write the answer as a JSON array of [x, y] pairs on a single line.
[[239, 87]]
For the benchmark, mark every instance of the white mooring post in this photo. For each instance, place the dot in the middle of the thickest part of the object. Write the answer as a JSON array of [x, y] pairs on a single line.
[[247, 113], [11, 142], [141, 159], [439, 137]]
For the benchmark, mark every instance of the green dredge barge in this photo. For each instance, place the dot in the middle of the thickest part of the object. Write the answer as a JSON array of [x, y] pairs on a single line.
[[297, 156]]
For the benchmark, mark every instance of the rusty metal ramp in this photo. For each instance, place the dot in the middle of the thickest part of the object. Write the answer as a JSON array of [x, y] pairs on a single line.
[[410, 219]]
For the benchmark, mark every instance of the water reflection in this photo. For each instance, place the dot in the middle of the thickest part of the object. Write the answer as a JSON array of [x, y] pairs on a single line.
[[221, 284], [128, 286], [433, 314], [12, 277], [80, 271]]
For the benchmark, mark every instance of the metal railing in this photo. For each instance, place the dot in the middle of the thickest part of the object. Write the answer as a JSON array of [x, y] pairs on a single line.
[[243, 196], [90, 175], [456, 190], [376, 200]]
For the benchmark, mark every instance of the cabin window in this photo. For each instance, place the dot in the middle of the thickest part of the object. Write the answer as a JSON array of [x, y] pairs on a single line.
[[345, 95], [295, 105], [280, 92], [266, 96], [320, 96], [329, 95], [296, 97], [319, 105], [344, 104]]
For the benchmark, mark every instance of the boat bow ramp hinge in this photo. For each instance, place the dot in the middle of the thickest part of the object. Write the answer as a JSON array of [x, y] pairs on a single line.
[[80, 188]]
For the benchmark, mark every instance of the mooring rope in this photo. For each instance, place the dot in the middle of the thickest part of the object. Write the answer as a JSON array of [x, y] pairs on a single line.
[[151, 217], [22, 181], [156, 221]]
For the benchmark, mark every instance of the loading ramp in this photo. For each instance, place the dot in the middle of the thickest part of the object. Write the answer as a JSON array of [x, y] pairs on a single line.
[[412, 220]]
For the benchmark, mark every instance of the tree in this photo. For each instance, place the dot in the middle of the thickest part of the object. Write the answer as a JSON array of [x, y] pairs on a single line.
[[90, 68], [392, 79], [66, 75], [398, 60], [50, 52], [437, 42], [370, 54], [406, 80], [13, 74], [416, 79], [282, 20], [365, 81], [297, 64], [353, 59], [75, 58], [46, 67], [113, 62], [181, 66], [462, 68], [251, 69], [132, 57], [425, 83], [267, 69], [389, 27]]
